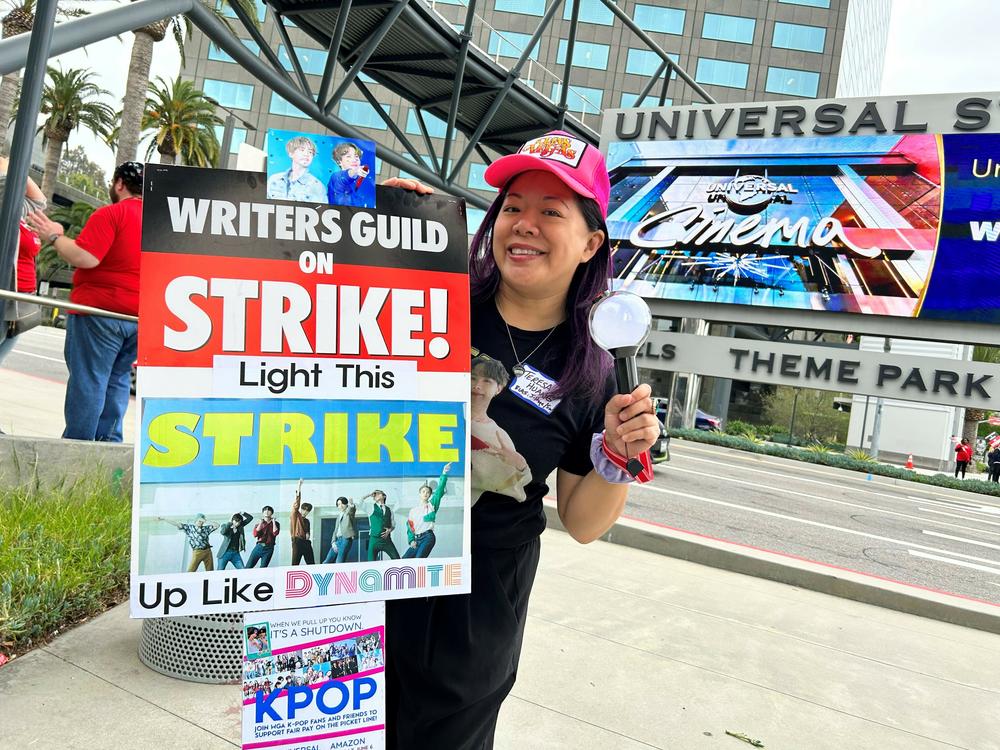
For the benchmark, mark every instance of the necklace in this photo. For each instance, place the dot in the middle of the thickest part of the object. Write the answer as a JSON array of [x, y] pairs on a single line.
[[518, 360]]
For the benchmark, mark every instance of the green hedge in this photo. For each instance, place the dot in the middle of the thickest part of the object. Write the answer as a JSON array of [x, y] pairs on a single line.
[[837, 460]]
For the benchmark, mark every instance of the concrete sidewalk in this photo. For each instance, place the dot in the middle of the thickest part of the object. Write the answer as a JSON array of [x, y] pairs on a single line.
[[624, 649], [32, 406]]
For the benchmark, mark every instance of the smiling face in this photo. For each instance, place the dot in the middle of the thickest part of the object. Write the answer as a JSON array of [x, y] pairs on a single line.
[[484, 387], [302, 156], [350, 158], [540, 236], [425, 493]]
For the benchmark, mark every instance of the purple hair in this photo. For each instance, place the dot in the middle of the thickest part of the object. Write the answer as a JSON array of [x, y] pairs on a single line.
[[585, 372]]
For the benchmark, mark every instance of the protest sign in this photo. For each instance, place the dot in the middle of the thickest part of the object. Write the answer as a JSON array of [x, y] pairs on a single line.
[[303, 375], [315, 678]]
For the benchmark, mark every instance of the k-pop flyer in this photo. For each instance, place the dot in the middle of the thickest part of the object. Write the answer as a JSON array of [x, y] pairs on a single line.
[[303, 388], [315, 678]]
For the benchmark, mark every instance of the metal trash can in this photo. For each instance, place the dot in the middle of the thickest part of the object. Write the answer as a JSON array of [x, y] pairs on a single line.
[[197, 648]]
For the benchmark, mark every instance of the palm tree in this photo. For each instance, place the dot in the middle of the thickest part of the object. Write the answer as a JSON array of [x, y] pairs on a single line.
[[72, 218], [182, 121], [20, 19], [140, 63], [70, 99]]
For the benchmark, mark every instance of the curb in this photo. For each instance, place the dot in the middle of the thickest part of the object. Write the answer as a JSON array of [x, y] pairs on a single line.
[[55, 462], [795, 571]]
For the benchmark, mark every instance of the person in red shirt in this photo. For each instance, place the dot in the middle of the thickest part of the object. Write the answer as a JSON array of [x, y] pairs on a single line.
[[963, 455], [28, 246], [100, 351]]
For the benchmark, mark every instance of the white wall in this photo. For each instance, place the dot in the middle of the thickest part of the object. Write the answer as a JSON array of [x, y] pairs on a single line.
[[925, 430]]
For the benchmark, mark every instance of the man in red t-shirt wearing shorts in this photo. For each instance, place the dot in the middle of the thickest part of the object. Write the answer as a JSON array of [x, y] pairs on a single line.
[[100, 351]]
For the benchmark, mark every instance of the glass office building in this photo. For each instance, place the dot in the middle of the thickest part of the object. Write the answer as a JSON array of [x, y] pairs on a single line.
[[739, 50]]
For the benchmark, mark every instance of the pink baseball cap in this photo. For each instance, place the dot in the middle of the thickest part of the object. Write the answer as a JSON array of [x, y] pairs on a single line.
[[574, 161]]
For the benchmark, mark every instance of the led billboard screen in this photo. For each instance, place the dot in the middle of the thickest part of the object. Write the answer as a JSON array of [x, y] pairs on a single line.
[[894, 225]]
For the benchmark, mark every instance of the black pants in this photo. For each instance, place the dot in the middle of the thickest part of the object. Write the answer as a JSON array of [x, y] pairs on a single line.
[[960, 467], [302, 549], [995, 472], [451, 660]]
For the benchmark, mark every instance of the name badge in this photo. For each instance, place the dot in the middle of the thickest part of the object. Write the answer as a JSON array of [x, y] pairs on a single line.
[[531, 386]]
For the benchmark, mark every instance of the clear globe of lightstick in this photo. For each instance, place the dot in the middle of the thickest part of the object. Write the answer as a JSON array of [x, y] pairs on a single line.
[[619, 323]]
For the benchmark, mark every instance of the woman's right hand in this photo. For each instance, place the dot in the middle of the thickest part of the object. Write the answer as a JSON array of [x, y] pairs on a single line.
[[409, 184]]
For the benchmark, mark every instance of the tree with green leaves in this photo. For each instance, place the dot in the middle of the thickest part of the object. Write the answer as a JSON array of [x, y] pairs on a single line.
[[19, 18], [72, 218], [70, 99], [80, 172], [139, 66], [182, 121]]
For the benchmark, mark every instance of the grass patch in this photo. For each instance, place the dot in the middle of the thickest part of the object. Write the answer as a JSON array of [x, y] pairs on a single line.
[[64, 555], [827, 457]]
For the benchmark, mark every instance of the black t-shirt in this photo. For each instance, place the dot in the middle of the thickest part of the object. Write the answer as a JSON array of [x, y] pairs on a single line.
[[509, 510]]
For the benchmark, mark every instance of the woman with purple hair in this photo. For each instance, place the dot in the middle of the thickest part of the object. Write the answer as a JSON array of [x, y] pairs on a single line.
[[537, 264]]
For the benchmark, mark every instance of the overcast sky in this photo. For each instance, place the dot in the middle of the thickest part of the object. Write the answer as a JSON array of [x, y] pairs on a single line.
[[932, 49]]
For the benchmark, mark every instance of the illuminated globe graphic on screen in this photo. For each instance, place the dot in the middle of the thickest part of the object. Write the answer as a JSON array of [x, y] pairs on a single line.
[[750, 194]]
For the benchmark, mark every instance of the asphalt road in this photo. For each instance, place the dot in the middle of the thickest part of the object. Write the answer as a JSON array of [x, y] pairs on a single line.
[[907, 532], [39, 352]]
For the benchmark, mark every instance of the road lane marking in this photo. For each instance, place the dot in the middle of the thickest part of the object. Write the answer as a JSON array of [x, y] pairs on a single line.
[[847, 503], [962, 539], [679, 450], [40, 356], [953, 515], [950, 506], [950, 561], [818, 524], [793, 477]]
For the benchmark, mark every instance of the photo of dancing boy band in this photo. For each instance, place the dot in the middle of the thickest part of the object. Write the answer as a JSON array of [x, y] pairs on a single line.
[[242, 543]]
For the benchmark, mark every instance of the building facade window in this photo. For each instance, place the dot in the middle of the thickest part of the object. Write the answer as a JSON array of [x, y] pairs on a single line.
[[651, 100], [239, 136], [312, 60], [585, 54], [591, 11], [644, 62], [477, 180], [526, 7], [425, 162], [473, 219], [728, 28], [228, 12], [436, 127], [279, 106], [796, 36], [580, 98], [662, 20], [810, 3], [793, 82], [220, 55], [362, 114], [229, 94], [722, 73], [510, 44]]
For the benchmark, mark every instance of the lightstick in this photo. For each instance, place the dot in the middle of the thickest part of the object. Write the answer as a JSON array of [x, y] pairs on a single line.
[[619, 323]]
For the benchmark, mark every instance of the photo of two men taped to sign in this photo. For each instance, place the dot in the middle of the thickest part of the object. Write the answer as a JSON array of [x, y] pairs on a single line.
[[303, 386]]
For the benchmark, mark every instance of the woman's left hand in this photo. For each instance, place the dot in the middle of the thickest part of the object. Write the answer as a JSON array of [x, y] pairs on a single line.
[[415, 186], [630, 426]]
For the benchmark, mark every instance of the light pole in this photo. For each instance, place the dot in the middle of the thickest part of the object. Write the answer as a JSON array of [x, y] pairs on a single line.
[[227, 132]]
